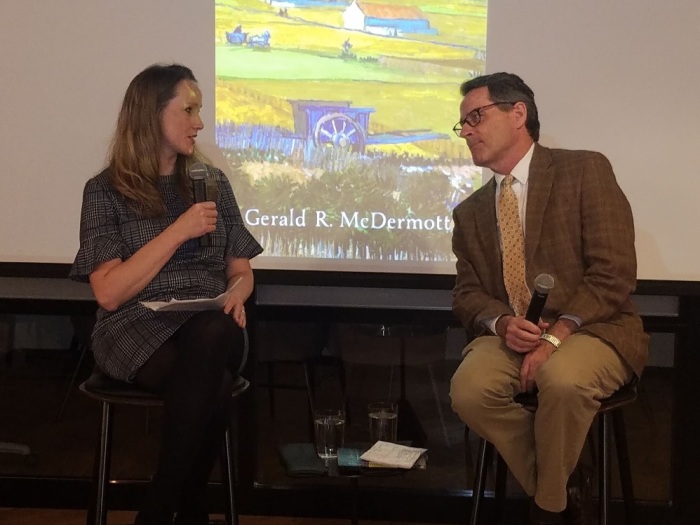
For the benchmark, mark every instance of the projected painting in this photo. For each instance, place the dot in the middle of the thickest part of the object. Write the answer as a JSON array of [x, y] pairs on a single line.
[[335, 118]]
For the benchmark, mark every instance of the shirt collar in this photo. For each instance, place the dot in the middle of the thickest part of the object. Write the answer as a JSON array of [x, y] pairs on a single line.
[[521, 171]]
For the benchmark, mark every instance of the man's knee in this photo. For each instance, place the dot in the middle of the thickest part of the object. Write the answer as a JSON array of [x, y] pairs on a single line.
[[469, 391], [564, 385]]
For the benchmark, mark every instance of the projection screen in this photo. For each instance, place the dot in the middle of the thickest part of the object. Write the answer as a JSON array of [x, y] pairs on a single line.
[[333, 118]]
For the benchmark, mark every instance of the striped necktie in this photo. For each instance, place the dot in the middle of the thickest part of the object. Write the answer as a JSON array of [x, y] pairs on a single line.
[[512, 247]]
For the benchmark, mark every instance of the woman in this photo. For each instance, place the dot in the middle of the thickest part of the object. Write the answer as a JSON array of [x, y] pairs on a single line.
[[139, 242]]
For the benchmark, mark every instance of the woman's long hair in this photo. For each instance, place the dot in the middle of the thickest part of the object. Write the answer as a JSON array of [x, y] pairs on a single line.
[[134, 153]]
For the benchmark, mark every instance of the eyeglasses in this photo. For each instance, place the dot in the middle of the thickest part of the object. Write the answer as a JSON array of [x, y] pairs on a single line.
[[474, 117]]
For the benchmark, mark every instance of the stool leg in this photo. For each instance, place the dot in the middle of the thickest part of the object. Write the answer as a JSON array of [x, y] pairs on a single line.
[[467, 455], [483, 459], [104, 461], [623, 460], [592, 448], [467, 452], [500, 495], [603, 471], [228, 479]]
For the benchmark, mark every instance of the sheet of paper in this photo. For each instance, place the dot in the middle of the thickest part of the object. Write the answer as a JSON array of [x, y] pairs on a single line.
[[393, 455], [192, 305]]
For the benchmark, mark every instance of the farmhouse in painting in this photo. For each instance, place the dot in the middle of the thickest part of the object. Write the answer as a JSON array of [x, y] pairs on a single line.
[[387, 20]]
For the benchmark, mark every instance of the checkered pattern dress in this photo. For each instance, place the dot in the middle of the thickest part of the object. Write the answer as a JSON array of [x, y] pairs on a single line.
[[123, 340]]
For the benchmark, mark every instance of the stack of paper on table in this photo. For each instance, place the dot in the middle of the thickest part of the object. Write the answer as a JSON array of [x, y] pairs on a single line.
[[383, 454]]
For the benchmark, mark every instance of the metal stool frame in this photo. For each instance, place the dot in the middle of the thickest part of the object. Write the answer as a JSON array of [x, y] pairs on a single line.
[[610, 409], [110, 392]]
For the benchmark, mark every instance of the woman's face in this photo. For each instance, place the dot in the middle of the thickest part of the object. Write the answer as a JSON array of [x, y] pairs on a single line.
[[180, 123]]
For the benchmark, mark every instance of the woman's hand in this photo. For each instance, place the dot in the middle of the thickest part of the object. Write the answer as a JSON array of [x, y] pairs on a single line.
[[199, 220], [240, 277], [234, 306]]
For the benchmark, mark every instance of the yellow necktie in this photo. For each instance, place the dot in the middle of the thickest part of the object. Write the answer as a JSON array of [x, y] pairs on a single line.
[[512, 247]]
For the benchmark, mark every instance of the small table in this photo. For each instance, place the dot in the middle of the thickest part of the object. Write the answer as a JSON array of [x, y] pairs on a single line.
[[306, 454]]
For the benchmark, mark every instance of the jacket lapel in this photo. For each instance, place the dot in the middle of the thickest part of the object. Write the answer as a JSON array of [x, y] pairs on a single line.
[[485, 223], [540, 182]]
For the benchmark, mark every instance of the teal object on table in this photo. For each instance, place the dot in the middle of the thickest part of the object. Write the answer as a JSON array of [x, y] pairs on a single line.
[[300, 459]]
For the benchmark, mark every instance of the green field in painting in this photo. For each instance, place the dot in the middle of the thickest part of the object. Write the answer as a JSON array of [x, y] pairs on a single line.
[[253, 63]]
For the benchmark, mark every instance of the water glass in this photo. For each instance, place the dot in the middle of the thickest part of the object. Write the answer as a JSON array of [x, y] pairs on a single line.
[[383, 421], [329, 432]]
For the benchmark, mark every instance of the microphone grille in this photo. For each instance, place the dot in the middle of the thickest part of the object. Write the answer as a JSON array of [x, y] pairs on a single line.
[[198, 171], [544, 283]]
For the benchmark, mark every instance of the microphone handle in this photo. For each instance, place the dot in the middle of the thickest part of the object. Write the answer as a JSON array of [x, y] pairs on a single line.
[[199, 191], [534, 310]]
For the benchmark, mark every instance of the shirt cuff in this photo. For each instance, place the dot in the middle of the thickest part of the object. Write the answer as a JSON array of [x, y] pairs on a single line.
[[490, 323], [573, 318]]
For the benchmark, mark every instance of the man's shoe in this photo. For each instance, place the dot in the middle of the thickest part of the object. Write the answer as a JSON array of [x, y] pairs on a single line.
[[579, 499], [539, 516]]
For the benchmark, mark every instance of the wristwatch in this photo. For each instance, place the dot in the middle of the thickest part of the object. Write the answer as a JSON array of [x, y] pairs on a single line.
[[551, 339]]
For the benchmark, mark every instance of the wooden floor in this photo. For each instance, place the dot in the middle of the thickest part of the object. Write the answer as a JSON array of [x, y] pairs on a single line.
[[77, 517]]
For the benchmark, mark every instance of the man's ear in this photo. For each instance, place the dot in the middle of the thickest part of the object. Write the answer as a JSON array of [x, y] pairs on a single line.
[[520, 113]]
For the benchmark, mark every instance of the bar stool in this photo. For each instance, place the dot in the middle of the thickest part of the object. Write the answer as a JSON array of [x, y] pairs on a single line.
[[611, 411], [111, 392]]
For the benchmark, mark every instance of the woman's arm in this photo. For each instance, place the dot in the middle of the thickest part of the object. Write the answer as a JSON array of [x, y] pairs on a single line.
[[238, 268], [117, 281]]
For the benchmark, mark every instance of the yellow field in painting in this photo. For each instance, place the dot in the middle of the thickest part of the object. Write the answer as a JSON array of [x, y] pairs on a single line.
[[257, 102]]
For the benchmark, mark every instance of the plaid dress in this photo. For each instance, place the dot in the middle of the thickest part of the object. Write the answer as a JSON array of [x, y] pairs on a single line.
[[123, 340]]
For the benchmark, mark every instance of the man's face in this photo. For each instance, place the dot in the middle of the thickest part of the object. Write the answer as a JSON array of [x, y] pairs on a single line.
[[492, 139]]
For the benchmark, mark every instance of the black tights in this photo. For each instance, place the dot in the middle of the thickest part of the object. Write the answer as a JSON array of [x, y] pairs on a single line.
[[194, 371]]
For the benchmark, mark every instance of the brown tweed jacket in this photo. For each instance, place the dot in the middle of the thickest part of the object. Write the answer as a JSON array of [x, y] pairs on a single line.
[[579, 229]]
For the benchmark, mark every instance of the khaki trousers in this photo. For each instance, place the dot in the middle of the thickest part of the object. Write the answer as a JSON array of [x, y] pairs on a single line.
[[541, 449]]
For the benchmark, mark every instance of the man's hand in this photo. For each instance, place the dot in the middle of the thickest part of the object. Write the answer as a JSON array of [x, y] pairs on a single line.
[[562, 329], [519, 334], [532, 363]]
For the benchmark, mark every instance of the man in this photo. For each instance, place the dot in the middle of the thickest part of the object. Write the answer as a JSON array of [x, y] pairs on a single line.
[[571, 220]]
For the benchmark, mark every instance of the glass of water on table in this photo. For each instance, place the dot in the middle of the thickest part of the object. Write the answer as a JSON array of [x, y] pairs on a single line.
[[383, 421], [329, 432]]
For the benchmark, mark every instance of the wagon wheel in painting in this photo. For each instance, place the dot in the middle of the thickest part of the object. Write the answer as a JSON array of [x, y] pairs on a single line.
[[339, 131]]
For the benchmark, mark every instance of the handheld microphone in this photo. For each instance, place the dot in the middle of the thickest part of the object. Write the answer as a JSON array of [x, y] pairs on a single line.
[[543, 285], [199, 173]]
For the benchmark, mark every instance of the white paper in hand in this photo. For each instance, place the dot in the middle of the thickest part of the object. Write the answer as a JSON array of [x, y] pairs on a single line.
[[192, 305]]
